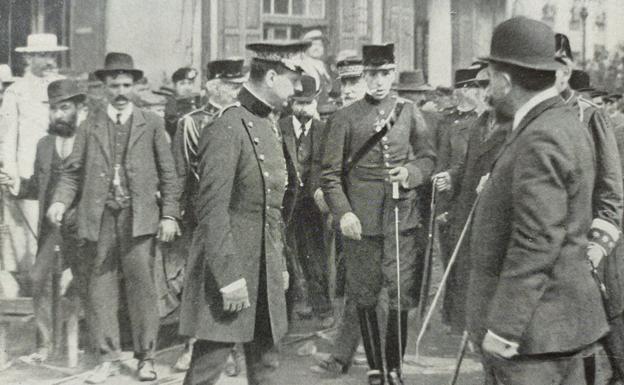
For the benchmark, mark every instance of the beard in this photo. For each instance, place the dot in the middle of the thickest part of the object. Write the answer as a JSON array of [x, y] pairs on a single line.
[[62, 129]]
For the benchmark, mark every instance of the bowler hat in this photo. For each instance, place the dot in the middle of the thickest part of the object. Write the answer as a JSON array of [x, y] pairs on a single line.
[[378, 56], [412, 81], [524, 42], [64, 89], [41, 42], [308, 90], [184, 73], [116, 63]]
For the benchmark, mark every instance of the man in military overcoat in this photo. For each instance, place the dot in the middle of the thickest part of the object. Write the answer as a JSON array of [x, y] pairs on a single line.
[[235, 286]]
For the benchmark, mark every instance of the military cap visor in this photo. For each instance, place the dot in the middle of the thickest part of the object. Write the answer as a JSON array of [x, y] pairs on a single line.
[[230, 70]]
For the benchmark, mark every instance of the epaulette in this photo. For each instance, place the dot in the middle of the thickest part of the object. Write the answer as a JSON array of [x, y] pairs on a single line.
[[224, 109]]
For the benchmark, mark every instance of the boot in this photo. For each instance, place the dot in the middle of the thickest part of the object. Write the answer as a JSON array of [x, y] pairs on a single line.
[[370, 337], [393, 357]]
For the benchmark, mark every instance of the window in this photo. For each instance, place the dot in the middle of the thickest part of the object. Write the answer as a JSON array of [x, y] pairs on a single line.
[[297, 8], [281, 31]]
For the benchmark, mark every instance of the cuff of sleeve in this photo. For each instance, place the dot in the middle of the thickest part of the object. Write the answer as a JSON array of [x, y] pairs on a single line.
[[15, 189], [169, 217], [503, 340], [414, 179], [604, 234], [236, 285]]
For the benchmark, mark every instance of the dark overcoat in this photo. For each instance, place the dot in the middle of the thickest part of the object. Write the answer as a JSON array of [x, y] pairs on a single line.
[[242, 175], [530, 281], [149, 168]]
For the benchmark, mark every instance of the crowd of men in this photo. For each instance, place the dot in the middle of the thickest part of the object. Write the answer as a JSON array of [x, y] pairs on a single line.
[[289, 189]]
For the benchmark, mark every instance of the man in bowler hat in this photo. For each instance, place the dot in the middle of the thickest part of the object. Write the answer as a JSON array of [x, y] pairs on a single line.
[[533, 305], [360, 197], [130, 193], [234, 290], [66, 99]]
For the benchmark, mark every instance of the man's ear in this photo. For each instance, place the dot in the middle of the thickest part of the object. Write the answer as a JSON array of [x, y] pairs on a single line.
[[269, 79]]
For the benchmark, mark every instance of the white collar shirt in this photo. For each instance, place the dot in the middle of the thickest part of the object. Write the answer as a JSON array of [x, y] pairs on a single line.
[[532, 103]]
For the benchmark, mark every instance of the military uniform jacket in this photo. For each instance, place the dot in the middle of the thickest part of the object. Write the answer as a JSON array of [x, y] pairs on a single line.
[[366, 190], [529, 281], [184, 146], [149, 166], [242, 175]]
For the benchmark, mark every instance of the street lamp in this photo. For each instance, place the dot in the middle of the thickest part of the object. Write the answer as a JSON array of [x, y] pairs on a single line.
[[584, 14]]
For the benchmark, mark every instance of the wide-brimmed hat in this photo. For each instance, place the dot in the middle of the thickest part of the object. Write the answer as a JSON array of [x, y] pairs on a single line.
[[116, 63], [412, 81], [6, 75], [580, 81], [65, 89], [42, 42], [308, 90], [524, 42], [378, 56], [230, 70]]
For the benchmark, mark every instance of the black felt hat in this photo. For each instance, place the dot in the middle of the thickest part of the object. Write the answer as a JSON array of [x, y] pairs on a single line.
[[117, 63], [580, 81], [378, 56], [525, 43], [467, 77], [65, 89], [413, 81], [308, 90]]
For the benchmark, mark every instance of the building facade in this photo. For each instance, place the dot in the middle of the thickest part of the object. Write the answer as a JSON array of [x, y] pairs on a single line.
[[437, 36]]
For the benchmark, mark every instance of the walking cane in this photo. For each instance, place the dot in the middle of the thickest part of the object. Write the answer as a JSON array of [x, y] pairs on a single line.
[[447, 272], [57, 321], [460, 357], [395, 196], [426, 277]]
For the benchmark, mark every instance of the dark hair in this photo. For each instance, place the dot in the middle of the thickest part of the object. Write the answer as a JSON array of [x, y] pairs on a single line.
[[529, 79], [259, 69]]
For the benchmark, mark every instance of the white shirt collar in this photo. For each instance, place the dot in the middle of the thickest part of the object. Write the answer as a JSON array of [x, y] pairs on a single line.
[[532, 103], [298, 127], [125, 113], [64, 146]]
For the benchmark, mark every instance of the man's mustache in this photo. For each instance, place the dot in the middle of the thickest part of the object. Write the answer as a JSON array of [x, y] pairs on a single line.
[[121, 98]]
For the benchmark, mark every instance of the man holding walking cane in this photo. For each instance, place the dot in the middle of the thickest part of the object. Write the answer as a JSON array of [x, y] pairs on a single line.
[[372, 144]]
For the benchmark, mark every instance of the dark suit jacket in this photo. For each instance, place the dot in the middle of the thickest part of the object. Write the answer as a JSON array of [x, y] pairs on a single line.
[[297, 186], [149, 167], [36, 187], [530, 281], [366, 190], [242, 182]]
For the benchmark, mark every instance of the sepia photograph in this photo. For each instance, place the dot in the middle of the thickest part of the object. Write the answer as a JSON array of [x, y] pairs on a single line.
[[311, 192]]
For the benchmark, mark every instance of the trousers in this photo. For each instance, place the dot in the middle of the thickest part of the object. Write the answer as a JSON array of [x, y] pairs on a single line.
[[117, 255]]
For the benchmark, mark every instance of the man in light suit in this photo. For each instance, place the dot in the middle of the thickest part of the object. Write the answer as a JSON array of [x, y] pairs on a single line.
[[534, 307], [130, 192]]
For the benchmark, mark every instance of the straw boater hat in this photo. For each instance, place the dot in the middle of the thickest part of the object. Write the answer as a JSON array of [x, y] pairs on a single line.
[[41, 42], [116, 63], [526, 43]]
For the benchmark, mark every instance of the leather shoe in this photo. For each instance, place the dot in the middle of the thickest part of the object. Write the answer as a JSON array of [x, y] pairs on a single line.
[[101, 372], [146, 371], [375, 377], [395, 378]]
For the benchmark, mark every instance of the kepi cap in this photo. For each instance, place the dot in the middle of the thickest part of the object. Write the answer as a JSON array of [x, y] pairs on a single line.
[[288, 53], [230, 70], [350, 68], [378, 56]]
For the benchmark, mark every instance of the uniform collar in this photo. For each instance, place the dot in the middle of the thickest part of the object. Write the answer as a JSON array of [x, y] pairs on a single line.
[[375, 102], [254, 103]]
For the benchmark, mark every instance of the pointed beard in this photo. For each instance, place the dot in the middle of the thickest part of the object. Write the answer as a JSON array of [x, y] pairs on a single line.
[[61, 129]]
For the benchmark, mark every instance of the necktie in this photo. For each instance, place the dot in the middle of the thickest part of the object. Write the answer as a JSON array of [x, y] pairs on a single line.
[[119, 118]]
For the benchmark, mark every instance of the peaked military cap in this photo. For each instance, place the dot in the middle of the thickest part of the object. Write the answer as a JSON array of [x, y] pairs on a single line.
[[351, 67], [230, 70], [467, 77], [184, 73], [524, 42], [288, 53], [378, 56]]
